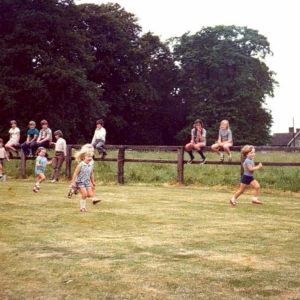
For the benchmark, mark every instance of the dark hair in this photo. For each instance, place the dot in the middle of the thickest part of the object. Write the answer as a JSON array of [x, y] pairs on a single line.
[[59, 133], [100, 121], [44, 122], [199, 121]]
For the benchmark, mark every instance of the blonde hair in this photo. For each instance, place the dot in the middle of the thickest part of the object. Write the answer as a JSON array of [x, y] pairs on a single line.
[[225, 122], [86, 150], [246, 149]]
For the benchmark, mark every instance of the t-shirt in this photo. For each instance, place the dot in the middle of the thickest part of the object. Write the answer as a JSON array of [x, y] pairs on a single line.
[[14, 135], [248, 162], [42, 161], [100, 134], [61, 146], [45, 133], [2, 153], [200, 136], [32, 132], [225, 135]]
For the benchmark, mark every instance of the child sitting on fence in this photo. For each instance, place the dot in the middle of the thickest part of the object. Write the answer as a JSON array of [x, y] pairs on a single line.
[[32, 135], [224, 141], [247, 178], [14, 137], [99, 137], [3, 156], [198, 141], [44, 139], [60, 154], [83, 176], [40, 167]]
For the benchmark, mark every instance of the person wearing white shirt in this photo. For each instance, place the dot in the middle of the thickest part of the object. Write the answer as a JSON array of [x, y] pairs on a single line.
[[60, 154], [14, 137], [99, 137]]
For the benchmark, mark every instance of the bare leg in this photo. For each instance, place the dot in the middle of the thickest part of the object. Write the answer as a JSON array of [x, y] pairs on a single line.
[[256, 187]]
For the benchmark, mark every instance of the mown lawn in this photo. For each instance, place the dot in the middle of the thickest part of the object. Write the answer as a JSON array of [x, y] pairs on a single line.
[[147, 242]]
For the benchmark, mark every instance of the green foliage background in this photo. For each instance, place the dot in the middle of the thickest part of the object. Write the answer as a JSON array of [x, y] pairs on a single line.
[[73, 64]]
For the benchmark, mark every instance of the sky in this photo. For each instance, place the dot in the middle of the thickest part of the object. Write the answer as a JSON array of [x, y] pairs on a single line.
[[277, 20]]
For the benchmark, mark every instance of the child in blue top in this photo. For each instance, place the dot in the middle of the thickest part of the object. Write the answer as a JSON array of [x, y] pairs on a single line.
[[247, 178], [83, 176], [32, 135], [40, 167]]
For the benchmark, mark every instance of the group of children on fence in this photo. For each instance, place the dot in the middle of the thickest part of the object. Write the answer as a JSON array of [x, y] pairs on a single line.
[[83, 181]]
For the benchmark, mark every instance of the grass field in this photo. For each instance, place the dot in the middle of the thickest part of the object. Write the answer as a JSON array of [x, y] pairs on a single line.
[[147, 242], [282, 178]]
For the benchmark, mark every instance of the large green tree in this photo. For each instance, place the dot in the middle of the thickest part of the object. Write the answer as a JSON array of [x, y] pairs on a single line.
[[136, 72], [44, 62], [224, 76]]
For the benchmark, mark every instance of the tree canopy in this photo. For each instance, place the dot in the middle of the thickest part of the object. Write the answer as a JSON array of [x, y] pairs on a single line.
[[73, 64]]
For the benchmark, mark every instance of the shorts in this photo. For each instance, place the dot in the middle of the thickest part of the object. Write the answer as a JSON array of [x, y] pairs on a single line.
[[245, 179], [39, 171], [86, 184]]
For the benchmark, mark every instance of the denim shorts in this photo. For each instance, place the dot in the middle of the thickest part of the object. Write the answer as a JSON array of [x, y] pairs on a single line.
[[245, 179]]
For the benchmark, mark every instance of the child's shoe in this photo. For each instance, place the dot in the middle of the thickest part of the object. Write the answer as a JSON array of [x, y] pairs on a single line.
[[233, 202], [95, 201], [256, 201]]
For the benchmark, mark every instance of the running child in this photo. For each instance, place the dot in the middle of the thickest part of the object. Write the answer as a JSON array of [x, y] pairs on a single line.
[[198, 141], [224, 141], [83, 176], [40, 167], [3, 156], [247, 178], [14, 137]]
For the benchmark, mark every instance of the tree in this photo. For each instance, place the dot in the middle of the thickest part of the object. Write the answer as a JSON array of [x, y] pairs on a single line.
[[43, 58], [224, 76]]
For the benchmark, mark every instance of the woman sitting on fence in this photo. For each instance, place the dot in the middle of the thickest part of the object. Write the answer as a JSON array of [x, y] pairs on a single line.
[[198, 141], [224, 141], [14, 137]]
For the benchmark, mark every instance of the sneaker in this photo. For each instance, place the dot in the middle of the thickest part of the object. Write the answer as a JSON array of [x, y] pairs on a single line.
[[233, 202], [203, 161], [256, 201], [190, 160], [95, 201], [53, 180], [35, 189]]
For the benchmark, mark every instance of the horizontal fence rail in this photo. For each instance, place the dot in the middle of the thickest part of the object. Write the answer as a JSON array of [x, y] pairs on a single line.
[[180, 162]]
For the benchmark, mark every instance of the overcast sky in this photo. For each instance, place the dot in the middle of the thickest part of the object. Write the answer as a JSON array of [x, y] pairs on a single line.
[[278, 20]]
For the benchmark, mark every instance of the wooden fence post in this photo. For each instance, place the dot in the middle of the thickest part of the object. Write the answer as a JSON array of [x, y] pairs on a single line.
[[23, 164], [68, 171], [180, 165], [121, 161]]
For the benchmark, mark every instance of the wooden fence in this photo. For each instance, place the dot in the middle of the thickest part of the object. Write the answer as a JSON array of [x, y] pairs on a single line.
[[180, 162]]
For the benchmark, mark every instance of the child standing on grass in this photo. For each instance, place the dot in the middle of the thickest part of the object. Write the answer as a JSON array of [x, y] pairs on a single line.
[[83, 176], [224, 141], [40, 167], [60, 154], [198, 141], [14, 137], [3, 156], [247, 178]]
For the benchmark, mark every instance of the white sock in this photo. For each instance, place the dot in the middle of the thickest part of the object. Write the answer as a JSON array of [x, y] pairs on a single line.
[[254, 198], [82, 203]]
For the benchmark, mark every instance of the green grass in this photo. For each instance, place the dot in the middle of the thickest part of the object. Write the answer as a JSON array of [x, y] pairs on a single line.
[[145, 242], [282, 178]]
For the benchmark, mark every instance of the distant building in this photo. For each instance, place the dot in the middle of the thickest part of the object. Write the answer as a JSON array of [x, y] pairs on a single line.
[[289, 139]]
